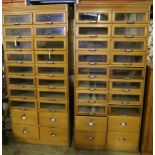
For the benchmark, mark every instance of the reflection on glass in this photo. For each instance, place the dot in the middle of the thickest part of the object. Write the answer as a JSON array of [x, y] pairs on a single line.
[[92, 71], [50, 57], [93, 58], [20, 69], [51, 70], [20, 57], [52, 106], [57, 95], [89, 96], [24, 93], [92, 84], [18, 81], [18, 44], [89, 109], [49, 82], [23, 104], [50, 44], [124, 97]]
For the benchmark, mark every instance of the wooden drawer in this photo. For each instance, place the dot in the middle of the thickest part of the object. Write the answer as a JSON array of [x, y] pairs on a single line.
[[91, 109], [92, 44], [52, 95], [52, 82], [53, 134], [127, 73], [93, 17], [50, 18], [54, 120], [52, 106], [124, 110], [134, 85], [123, 141], [124, 123], [48, 57], [87, 71], [91, 96], [50, 31], [18, 44], [124, 97], [24, 117], [129, 45], [91, 84], [130, 16], [86, 123], [19, 57], [92, 139], [22, 93], [87, 58], [25, 132], [93, 31], [129, 31], [20, 69], [17, 18], [19, 104], [21, 81], [18, 31], [54, 70]]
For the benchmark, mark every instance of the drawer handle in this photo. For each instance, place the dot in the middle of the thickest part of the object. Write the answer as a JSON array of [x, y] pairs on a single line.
[[124, 102], [130, 22], [52, 119], [24, 117], [49, 22], [50, 75], [129, 36], [92, 101], [18, 36], [50, 99], [92, 63], [21, 86], [123, 124], [53, 134], [128, 50], [50, 62], [90, 137], [126, 77], [19, 62], [50, 49], [91, 123], [92, 89], [25, 131], [93, 21], [126, 90], [92, 49], [50, 87], [16, 23], [92, 76], [21, 74], [18, 49], [122, 139], [49, 36], [128, 64], [93, 36]]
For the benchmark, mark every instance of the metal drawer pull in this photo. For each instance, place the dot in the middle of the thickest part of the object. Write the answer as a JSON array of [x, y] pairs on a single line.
[[19, 62], [126, 78], [18, 49], [25, 131], [90, 137], [128, 50], [129, 36], [49, 36], [50, 62], [24, 117], [92, 76], [91, 123], [52, 119], [21, 86], [53, 134], [123, 124], [50, 22], [21, 74], [126, 90], [124, 102], [51, 99], [122, 139], [16, 23], [93, 21], [92, 89], [18, 36], [93, 36], [130, 22], [128, 64], [92, 63], [91, 101], [51, 75], [50, 49], [92, 49]]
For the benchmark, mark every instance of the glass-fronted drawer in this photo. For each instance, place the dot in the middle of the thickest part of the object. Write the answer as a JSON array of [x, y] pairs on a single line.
[[91, 96], [92, 17], [50, 57], [49, 31], [19, 57], [130, 17], [125, 98], [127, 73], [92, 44], [129, 45], [52, 95], [129, 31], [133, 85], [92, 71], [52, 82], [120, 110], [91, 84], [17, 19], [18, 44], [22, 93], [92, 31], [18, 31], [128, 59], [27, 104], [20, 69], [52, 106], [92, 110], [50, 44], [52, 70], [85, 58], [50, 18], [21, 82]]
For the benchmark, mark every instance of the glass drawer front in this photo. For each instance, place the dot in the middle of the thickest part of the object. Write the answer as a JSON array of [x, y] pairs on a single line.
[[91, 110], [49, 18], [50, 32], [93, 17], [131, 17], [125, 110], [127, 73], [17, 19], [18, 32]]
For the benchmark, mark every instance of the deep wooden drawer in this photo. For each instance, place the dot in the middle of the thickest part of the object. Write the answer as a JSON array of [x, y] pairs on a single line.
[[56, 120], [86, 123], [50, 31], [124, 123], [53, 134], [24, 117], [93, 31], [17, 18], [91, 139], [123, 140], [25, 132]]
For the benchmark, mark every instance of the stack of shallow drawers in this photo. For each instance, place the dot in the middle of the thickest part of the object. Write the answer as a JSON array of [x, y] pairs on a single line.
[[36, 54]]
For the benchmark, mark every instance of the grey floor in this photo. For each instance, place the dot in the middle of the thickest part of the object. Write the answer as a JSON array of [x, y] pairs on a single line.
[[13, 148]]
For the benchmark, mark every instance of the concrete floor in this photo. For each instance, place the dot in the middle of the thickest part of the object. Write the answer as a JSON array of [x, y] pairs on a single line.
[[13, 148]]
